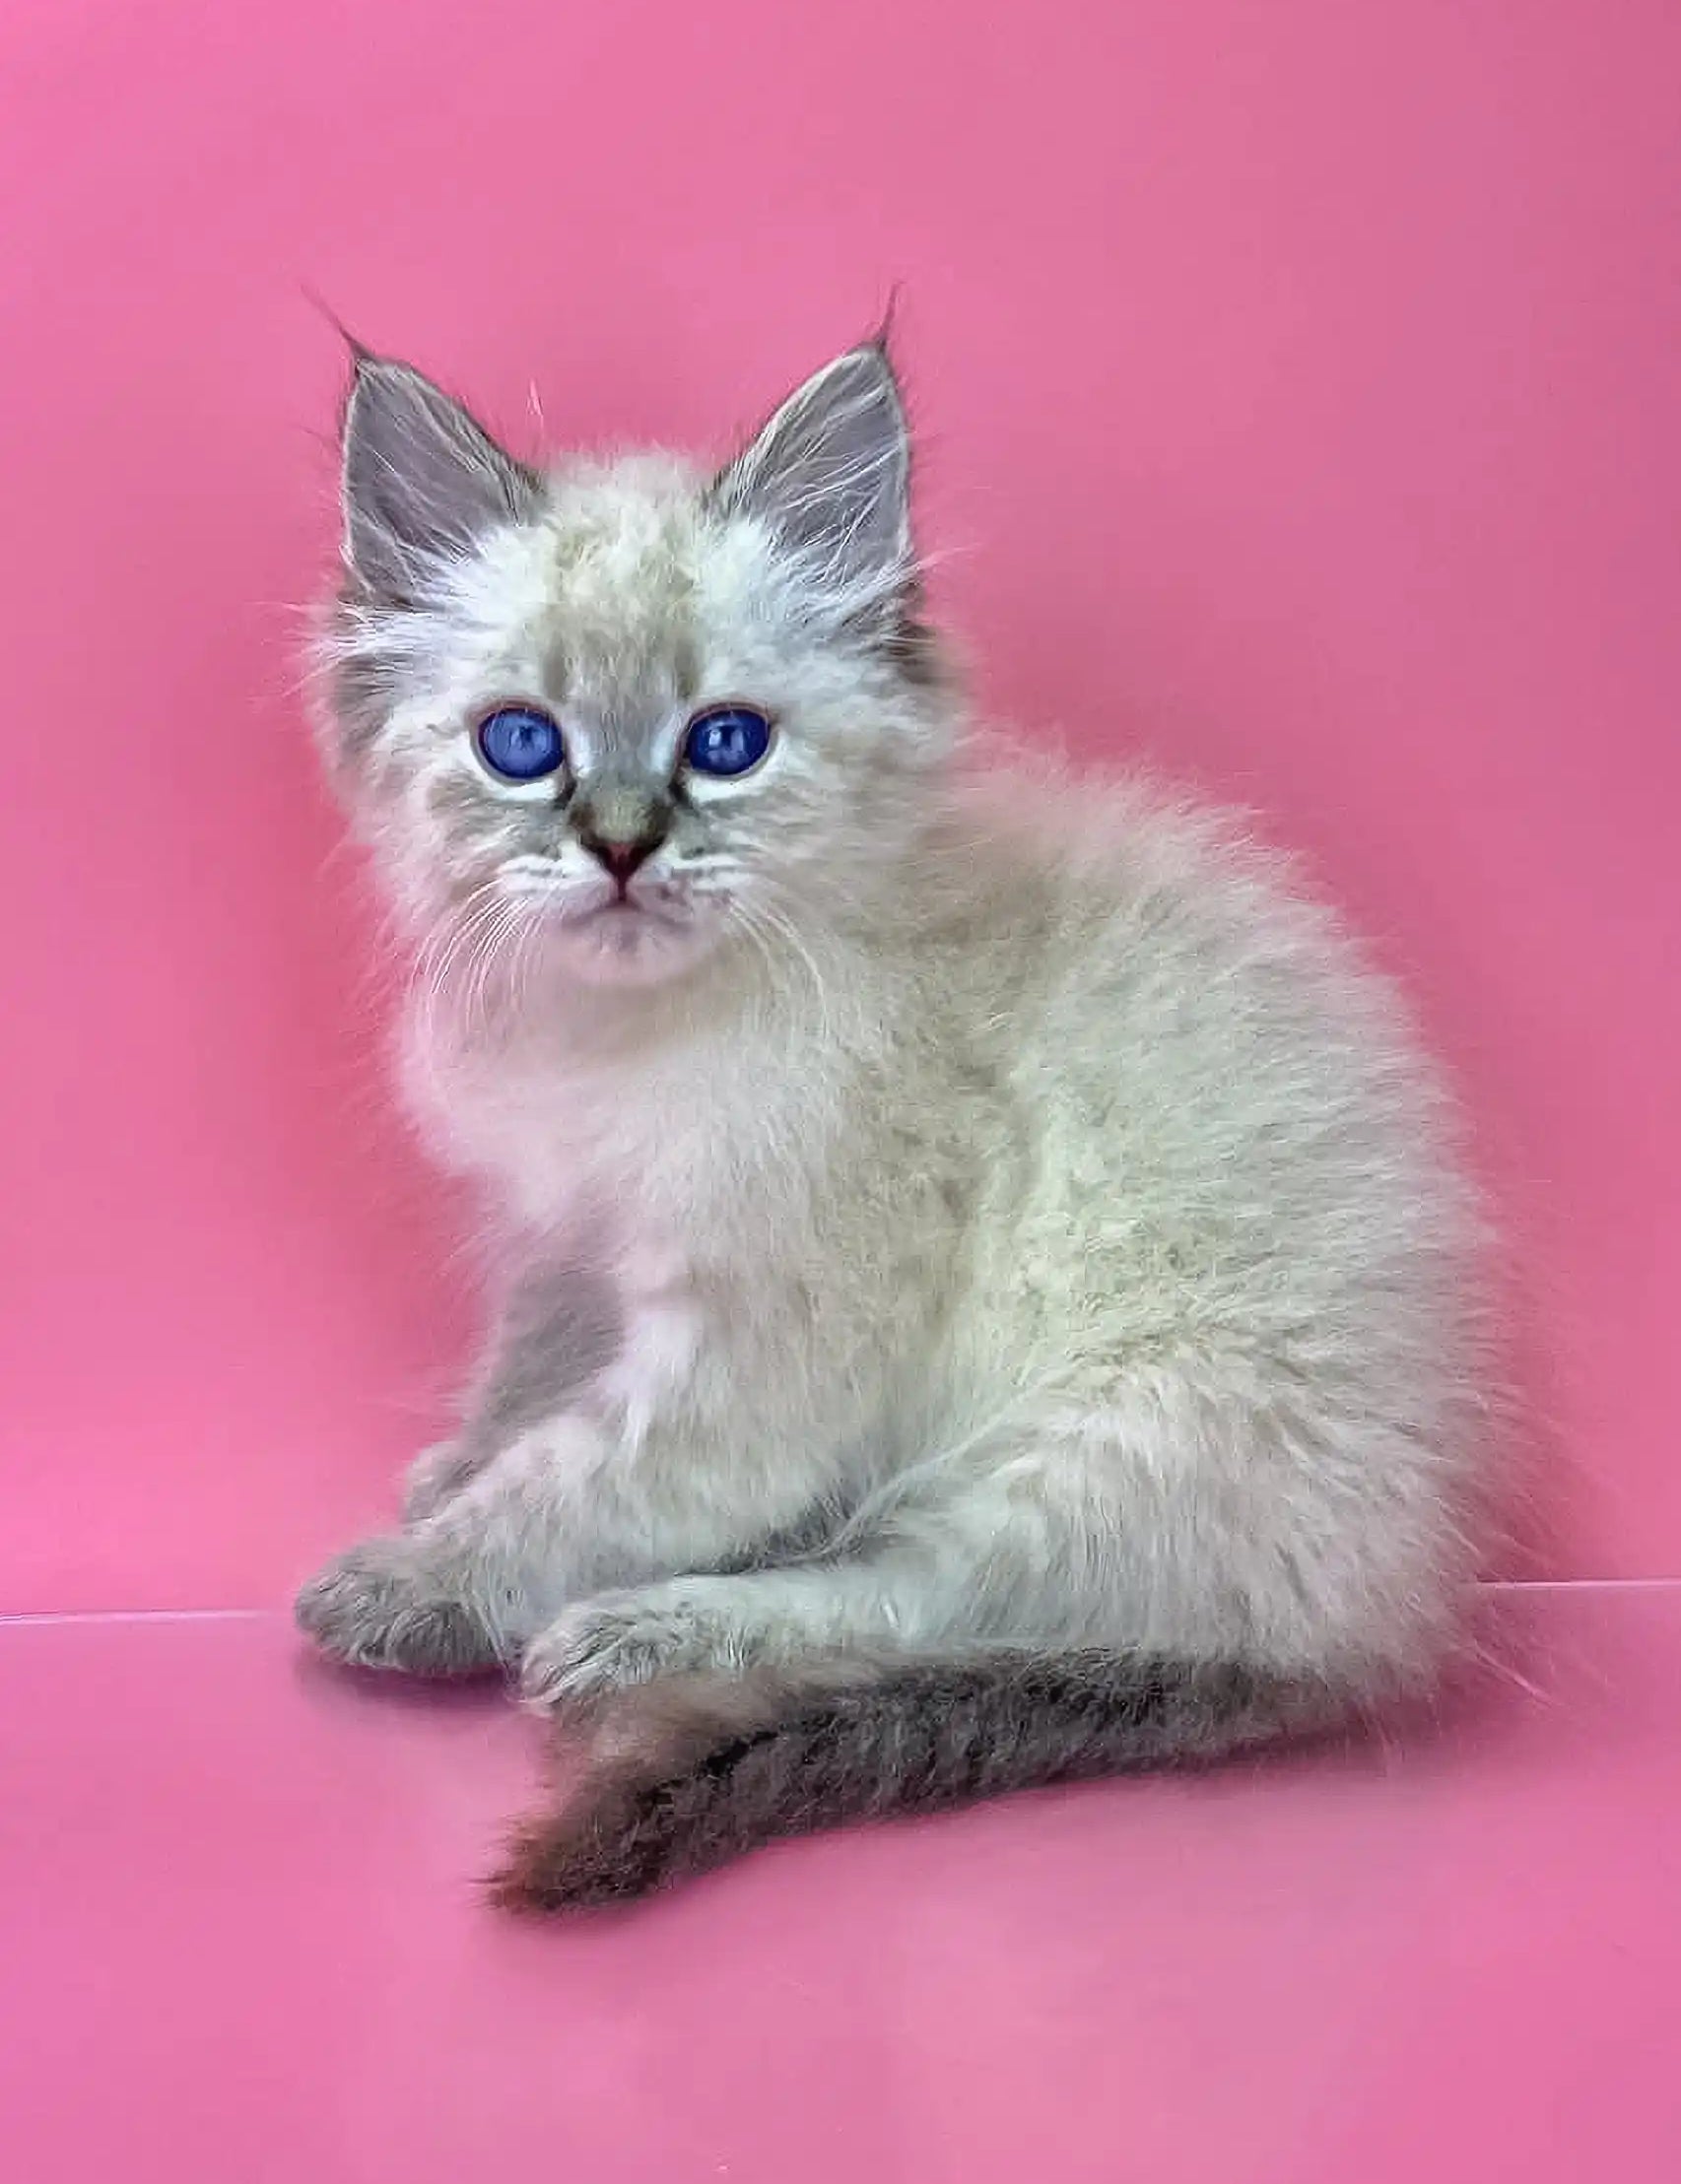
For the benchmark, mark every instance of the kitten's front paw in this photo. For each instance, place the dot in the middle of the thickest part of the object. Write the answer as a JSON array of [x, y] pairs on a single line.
[[619, 1640], [378, 1608]]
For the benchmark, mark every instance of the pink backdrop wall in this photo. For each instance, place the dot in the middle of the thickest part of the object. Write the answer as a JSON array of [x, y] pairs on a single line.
[[1297, 385]]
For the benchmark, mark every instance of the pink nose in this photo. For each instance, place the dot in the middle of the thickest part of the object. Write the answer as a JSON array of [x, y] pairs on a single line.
[[620, 858]]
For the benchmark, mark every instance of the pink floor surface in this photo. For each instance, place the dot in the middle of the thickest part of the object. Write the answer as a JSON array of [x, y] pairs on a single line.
[[242, 1944]]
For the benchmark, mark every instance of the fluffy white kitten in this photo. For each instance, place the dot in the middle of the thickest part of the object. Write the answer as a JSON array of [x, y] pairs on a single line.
[[986, 1290]]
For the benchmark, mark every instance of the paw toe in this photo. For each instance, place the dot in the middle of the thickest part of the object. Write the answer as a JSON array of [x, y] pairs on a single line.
[[600, 1649]]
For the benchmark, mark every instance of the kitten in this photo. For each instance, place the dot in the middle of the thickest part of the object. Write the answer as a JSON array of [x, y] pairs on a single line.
[[987, 1294]]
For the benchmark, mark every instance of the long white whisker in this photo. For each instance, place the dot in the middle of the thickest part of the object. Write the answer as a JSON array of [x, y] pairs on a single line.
[[766, 923], [523, 966], [486, 960], [435, 967]]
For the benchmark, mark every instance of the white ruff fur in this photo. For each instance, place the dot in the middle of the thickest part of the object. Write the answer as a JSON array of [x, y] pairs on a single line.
[[960, 1209]]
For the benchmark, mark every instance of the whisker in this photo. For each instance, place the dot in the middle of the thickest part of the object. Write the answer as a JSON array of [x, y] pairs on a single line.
[[764, 923], [433, 974]]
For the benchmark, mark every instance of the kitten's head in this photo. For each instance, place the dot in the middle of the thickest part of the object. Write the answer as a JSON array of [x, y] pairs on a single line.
[[626, 713]]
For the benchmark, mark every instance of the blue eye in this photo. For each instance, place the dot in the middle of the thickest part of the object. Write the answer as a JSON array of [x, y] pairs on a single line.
[[726, 740], [519, 744]]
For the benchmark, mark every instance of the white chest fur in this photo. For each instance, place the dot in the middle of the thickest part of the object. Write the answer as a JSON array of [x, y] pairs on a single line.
[[661, 1340], [682, 1145]]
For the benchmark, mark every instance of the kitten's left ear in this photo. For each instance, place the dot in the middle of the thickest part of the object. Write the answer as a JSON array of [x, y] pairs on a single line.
[[830, 476]]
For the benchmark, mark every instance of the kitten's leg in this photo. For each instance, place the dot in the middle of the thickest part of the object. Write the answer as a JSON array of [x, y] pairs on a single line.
[[707, 1626], [642, 1470], [434, 1601], [1170, 1522], [462, 1589], [988, 1568], [567, 1511]]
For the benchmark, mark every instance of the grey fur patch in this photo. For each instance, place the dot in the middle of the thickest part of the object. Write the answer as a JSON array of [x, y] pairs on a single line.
[[913, 648], [561, 1327], [806, 1539], [364, 685]]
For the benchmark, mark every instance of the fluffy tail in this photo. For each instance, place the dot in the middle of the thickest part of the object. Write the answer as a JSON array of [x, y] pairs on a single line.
[[680, 1785]]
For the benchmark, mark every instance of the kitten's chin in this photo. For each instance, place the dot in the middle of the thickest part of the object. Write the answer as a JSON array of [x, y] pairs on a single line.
[[626, 948]]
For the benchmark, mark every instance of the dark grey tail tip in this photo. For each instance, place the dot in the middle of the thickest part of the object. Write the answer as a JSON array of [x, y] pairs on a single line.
[[545, 1875], [521, 1888]]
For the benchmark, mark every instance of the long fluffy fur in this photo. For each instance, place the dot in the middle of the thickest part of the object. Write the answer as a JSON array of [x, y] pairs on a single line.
[[986, 1288]]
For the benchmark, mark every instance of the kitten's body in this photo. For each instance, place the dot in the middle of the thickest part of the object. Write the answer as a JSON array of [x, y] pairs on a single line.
[[1006, 1308]]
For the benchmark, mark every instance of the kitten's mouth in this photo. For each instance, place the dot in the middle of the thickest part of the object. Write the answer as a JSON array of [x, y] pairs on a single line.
[[626, 926], [627, 910], [637, 938], [627, 941]]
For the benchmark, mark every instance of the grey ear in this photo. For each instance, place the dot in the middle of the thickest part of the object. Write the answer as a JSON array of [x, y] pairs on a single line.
[[831, 476], [422, 479]]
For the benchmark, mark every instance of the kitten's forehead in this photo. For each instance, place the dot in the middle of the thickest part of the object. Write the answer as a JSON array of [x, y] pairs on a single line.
[[623, 544]]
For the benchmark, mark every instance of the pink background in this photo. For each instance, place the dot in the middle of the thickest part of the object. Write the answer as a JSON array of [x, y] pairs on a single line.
[[1297, 385]]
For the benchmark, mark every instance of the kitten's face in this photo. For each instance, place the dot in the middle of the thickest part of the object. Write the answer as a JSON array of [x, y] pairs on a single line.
[[624, 716]]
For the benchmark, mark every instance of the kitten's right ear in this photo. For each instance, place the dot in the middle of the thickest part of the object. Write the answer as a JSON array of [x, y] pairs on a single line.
[[421, 480]]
